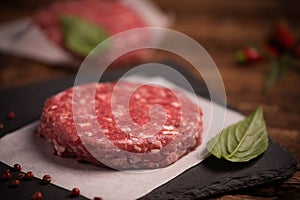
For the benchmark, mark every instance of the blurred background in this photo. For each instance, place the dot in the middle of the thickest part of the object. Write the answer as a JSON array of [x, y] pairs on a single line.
[[222, 28]]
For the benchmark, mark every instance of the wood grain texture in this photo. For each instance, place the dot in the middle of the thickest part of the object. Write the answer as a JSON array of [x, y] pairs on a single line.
[[221, 27]]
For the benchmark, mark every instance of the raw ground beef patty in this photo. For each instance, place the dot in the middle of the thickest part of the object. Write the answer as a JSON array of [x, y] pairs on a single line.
[[112, 17], [122, 125]]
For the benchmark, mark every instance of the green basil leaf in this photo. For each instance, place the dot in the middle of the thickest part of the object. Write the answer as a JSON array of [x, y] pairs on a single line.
[[242, 141], [81, 36]]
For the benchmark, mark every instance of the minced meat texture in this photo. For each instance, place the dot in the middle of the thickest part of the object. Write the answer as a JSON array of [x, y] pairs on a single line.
[[122, 127]]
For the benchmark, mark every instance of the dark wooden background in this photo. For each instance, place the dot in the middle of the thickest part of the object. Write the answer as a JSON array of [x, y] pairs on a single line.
[[221, 27]]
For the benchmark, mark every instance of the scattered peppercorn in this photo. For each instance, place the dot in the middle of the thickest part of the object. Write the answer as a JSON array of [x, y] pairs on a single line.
[[17, 167], [15, 183], [37, 196], [1, 126], [29, 175], [21, 175], [97, 198], [75, 192], [46, 179], [10, 115], [6, 176]]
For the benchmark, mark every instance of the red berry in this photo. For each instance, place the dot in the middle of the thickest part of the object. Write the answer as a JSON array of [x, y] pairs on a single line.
[[15, 183], [252, 54], [6, 176], [247, 55], [29, 175], [75, 192], [10, 115], [37, 196], [46, 179], [17, 167], [283, 36]]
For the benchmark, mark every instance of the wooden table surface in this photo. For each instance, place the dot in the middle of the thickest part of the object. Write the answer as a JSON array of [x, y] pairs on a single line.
[[221, 27]]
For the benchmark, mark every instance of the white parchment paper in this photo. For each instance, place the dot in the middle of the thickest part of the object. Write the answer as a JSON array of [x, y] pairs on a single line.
[[35, 153]]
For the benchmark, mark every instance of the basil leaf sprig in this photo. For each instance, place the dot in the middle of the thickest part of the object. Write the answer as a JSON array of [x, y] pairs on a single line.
[[81, 36], [242, 141]]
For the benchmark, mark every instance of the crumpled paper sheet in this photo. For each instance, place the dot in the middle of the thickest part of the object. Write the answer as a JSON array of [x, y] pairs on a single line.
[[35, 154]]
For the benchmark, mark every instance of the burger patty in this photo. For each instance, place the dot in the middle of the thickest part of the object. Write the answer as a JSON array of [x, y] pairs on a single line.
[[122, 125], [111, 16]]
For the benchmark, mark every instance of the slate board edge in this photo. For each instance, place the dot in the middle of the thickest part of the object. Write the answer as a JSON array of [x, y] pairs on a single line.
[[233, 185]]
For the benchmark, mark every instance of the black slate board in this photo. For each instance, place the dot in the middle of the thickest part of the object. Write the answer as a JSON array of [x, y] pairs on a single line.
[[210, 177], [214, 176], [28, 187]]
